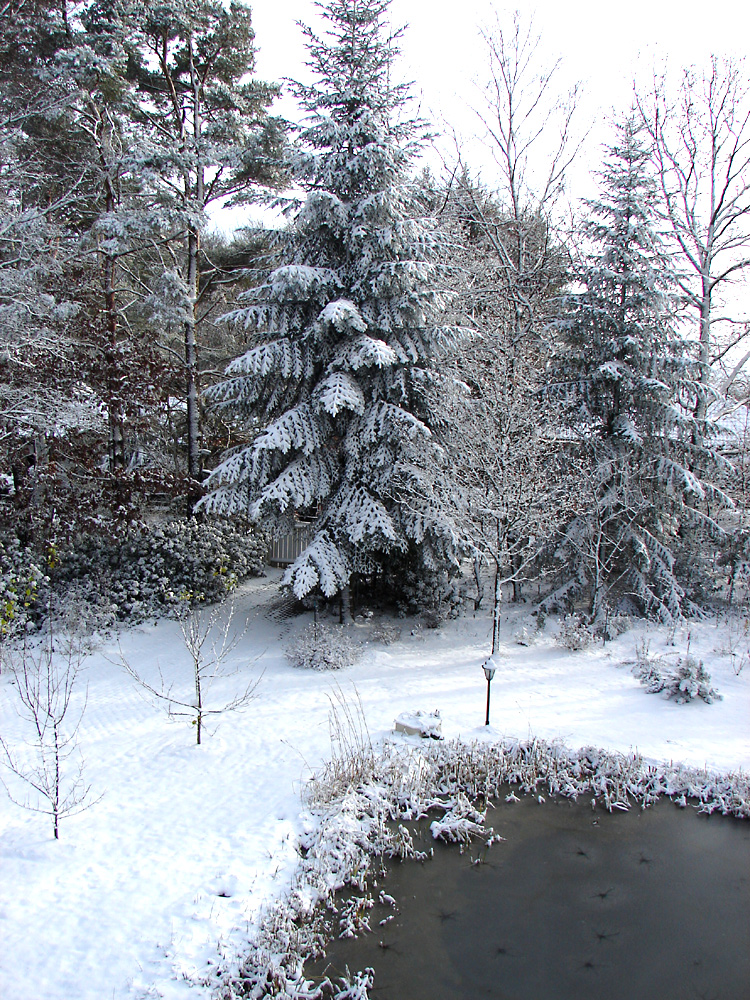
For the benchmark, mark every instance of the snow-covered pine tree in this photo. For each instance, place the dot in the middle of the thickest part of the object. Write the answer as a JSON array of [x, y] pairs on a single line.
[[119, 124], [631, 383], [345, 335], [207, 138]]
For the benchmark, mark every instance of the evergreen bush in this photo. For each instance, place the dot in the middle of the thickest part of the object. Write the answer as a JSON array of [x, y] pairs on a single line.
[[154, 569], [22, 579], [688, 678]]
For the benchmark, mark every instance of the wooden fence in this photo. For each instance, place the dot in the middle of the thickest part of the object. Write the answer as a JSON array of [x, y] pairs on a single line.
[[286, 548]]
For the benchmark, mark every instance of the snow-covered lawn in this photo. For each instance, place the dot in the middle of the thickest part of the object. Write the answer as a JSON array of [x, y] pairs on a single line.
[[189, 843]]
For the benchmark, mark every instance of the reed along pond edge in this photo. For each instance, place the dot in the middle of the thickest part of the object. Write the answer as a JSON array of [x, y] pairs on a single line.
[[359, 808]]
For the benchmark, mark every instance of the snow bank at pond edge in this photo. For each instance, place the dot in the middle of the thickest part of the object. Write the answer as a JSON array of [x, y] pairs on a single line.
[[344, 834]]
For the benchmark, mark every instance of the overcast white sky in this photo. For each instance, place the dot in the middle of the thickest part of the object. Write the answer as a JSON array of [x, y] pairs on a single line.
[[603, 44]]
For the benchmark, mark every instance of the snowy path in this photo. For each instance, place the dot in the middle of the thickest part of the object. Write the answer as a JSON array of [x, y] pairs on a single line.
[[189, 842]]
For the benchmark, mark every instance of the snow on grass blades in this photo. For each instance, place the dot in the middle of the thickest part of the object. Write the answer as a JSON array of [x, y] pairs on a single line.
[[347, 831]]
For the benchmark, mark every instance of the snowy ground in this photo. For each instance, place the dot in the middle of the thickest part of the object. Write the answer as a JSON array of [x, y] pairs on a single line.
[[188, 843]]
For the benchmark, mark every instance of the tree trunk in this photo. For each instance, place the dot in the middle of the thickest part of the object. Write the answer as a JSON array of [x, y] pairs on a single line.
[[478, 583], [517, 584], [345, 606], [113, 363], [191, 370], [113, 376], [496, 610], [705, 345], [198, 705], [191, 346]]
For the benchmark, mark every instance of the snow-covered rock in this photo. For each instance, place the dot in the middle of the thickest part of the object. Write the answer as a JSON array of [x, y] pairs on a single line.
[[426, 724]]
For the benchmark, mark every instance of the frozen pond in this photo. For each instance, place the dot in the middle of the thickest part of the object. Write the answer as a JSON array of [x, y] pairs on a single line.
[[573, 904]]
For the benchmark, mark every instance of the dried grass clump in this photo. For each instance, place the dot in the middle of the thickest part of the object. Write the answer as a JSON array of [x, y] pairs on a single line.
[[352, 761]]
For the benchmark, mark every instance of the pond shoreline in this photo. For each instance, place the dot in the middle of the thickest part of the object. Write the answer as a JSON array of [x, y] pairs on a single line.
[[359, 808], [568, 902]]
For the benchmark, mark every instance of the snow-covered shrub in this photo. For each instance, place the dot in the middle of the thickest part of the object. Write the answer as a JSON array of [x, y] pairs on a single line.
[[433, 617], [21, 578], [686, 680], [612, 626], [531, 629], [386, 633], [419, 590], [693, 681], [323, 647], [154, 569], [574, 634]]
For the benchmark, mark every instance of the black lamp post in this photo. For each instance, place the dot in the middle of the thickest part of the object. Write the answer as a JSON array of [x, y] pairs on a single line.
[[489, 666]]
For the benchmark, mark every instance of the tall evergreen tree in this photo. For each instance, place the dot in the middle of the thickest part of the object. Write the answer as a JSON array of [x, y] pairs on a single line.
[[336, 381], [631, 384], [210, 140], [119, 127]]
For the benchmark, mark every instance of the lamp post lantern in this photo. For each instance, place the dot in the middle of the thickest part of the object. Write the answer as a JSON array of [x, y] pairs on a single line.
[[489, 666]]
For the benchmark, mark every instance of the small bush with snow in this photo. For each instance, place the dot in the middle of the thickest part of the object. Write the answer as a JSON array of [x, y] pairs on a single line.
[[323, 647], [386, 633], [574, 634], [686, 680]]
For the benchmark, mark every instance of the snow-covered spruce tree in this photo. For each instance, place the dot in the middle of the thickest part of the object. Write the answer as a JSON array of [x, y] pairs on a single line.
[[631, 385], [345, 337]]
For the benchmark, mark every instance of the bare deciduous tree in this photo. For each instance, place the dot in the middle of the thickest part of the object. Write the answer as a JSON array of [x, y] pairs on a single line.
[[528, 125], [209, 640], [507, 494], [701, 146], [527, 118], [508, 491], [50, 763]]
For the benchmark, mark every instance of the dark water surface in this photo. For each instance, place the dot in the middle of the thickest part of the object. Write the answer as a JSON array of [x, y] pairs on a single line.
[[575, 904]]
